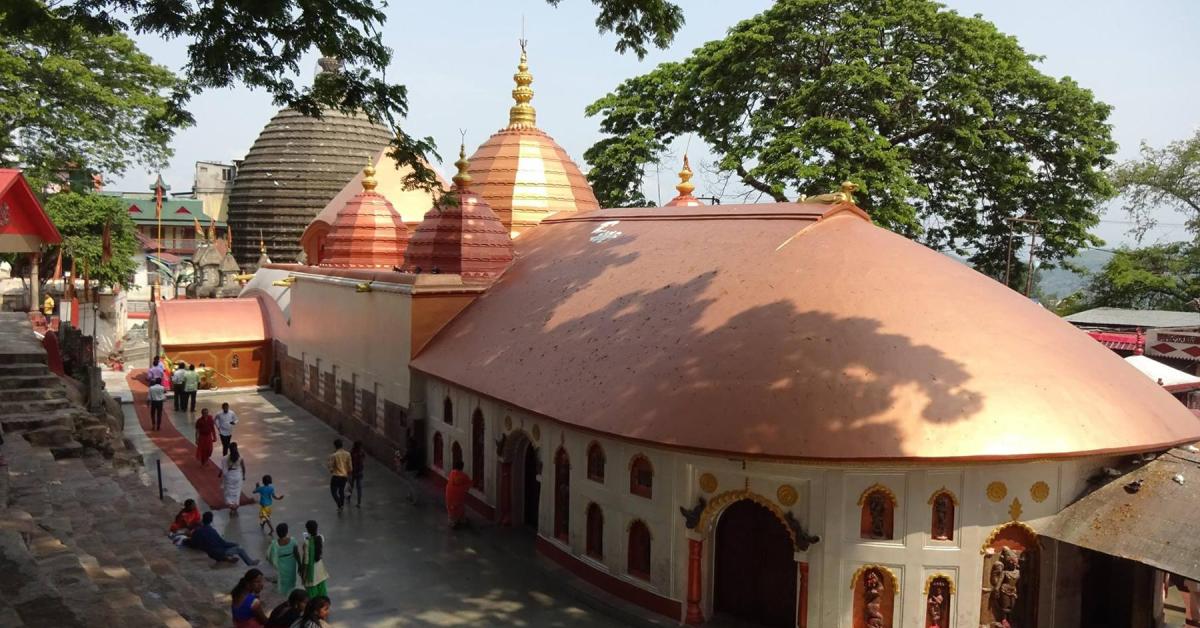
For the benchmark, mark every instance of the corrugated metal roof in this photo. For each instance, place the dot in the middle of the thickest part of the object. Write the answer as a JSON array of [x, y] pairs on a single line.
[[1148, 515], [1122, 317]]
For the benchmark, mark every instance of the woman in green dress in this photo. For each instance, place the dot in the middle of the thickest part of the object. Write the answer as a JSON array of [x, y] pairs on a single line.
[[284, 554], [312, 567]]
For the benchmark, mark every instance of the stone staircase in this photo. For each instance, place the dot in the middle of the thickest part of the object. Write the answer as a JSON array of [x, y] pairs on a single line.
[[83, 538]]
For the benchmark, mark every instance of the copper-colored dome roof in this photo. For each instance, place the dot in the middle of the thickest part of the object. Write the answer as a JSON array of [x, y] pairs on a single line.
[[793, 331], [295, 167], [522, 173], [367, 233], [464, 238]]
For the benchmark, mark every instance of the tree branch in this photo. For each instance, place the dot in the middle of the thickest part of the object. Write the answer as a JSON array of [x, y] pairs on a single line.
[[751, 181]]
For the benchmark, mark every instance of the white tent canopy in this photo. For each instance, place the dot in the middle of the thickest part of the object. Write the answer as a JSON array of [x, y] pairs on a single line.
[[1159, 372]]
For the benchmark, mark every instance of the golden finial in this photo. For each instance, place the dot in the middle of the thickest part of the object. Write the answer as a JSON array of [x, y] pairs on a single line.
[[262, 244], [463, 178], [685, 186], [369, 181], [522, 115]]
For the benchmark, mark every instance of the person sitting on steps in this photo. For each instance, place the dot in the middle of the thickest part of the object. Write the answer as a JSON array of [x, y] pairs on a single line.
[[206, 539]]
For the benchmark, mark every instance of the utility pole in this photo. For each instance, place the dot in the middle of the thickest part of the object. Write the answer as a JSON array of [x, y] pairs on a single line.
[[1033, 222]]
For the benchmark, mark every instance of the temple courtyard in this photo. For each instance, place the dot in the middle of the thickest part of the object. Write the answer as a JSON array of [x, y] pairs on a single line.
[[390, 563]]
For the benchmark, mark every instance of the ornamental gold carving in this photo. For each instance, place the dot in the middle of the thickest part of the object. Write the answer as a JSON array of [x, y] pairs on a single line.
[[1014, 509], [786, 495], [946, 577], [996, 491], [1039, 491], [726, 499], [888, 573], [708, 482]]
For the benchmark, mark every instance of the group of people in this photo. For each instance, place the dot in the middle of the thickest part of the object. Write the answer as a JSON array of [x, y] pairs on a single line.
[[184, 382]]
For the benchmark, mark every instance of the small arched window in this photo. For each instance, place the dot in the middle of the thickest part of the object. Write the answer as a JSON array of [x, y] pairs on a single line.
[[456, 459], [595, 462], [878, 505], [942, 504], [639, 550], [595, 531], [478, 447], [448, 411], [437, 450], [562, 495], [641, 477]]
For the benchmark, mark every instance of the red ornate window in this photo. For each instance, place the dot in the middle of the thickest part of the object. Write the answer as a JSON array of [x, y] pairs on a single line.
[[456, 458], [437, 450], [942, 504], [562, 495], [448, 411], [595, 462], [878, 513], [595, 531], [639, 550], [641, 477], [477, 449]]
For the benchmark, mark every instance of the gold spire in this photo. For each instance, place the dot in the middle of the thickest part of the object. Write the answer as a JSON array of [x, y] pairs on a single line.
[[369, 181], [262, 244], [522, 115], [463, 177], [685, 186]]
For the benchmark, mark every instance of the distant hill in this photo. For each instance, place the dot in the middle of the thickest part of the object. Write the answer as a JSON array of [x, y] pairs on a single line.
[[1060, 282]]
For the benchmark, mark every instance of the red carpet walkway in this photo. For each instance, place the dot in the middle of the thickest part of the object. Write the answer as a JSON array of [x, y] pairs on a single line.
[[177, 447]]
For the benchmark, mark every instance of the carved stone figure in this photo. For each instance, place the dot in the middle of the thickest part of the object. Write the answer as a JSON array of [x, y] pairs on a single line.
[[691, 517], [215, 272], [942, 524], [1005, 574], [873, 599], [877, 510], [937, 605], [804, 540]]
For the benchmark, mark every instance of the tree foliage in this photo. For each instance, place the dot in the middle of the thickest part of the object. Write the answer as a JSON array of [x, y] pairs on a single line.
[[80, 219], [1167, 177], [1160, 277], [260, 43], [944, 122], [81, 101]]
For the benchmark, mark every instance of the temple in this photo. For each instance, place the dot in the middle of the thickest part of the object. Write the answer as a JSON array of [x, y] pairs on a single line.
[[765, 412]]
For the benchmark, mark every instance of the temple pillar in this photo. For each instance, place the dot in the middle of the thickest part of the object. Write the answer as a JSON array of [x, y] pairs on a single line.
[[505, 493], [695, 615], [34, 303], [802, 592]]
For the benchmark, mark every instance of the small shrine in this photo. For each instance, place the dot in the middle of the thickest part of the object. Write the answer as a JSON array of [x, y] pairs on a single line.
[[24, 225], [216, 270]]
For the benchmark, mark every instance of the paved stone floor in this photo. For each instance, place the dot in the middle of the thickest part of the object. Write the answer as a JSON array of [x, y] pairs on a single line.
[[390, 563]]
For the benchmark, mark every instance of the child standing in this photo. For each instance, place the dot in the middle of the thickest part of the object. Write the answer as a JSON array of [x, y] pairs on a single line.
[[266, 497]]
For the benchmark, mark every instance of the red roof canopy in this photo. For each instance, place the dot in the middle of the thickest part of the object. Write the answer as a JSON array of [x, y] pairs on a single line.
[[24, 225]]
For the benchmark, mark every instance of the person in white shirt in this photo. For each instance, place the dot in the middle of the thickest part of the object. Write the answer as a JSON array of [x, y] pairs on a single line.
[[177, 385], [157, 395], [226, 419]]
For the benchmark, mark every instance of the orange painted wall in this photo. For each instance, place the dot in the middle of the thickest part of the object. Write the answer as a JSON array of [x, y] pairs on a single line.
[[253, 362]]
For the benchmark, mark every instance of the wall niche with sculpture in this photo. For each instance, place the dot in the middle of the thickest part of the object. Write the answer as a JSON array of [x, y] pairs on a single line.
[[938, 590], [942, 504], [878, 517], [1010, 578], [874, 597]]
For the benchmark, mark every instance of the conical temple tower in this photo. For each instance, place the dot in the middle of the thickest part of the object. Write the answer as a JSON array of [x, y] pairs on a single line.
[[521, 172]]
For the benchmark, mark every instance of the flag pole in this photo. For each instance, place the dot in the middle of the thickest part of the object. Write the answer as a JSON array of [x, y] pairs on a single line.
[[156, 294]]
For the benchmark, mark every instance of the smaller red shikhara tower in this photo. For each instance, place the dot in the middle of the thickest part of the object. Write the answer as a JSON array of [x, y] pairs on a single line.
[[367, 232], [463, 238]]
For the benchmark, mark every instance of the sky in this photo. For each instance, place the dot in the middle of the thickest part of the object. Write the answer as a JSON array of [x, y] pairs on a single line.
[[457, 58]]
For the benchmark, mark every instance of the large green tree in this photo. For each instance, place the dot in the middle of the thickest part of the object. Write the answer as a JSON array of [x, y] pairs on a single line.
[[1162, 178], [945, 122], [81, 102], [260, 43], [80, 218], [1159, 277]]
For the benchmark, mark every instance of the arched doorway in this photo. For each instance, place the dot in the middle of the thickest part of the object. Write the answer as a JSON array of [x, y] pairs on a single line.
[[755, 567], [518, 483]]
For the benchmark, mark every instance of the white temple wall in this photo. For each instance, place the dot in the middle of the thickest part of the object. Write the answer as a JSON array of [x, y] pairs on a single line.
[[363, 337], [823, 498]]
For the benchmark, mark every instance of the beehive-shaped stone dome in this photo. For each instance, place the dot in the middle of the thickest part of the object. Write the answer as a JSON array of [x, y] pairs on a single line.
[[295, 167]]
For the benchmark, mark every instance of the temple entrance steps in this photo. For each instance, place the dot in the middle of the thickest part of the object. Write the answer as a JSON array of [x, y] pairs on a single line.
[[88, 542]]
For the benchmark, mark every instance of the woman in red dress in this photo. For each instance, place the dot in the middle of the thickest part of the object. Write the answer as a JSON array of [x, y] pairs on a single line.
[[457, 485], [206, 435]]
